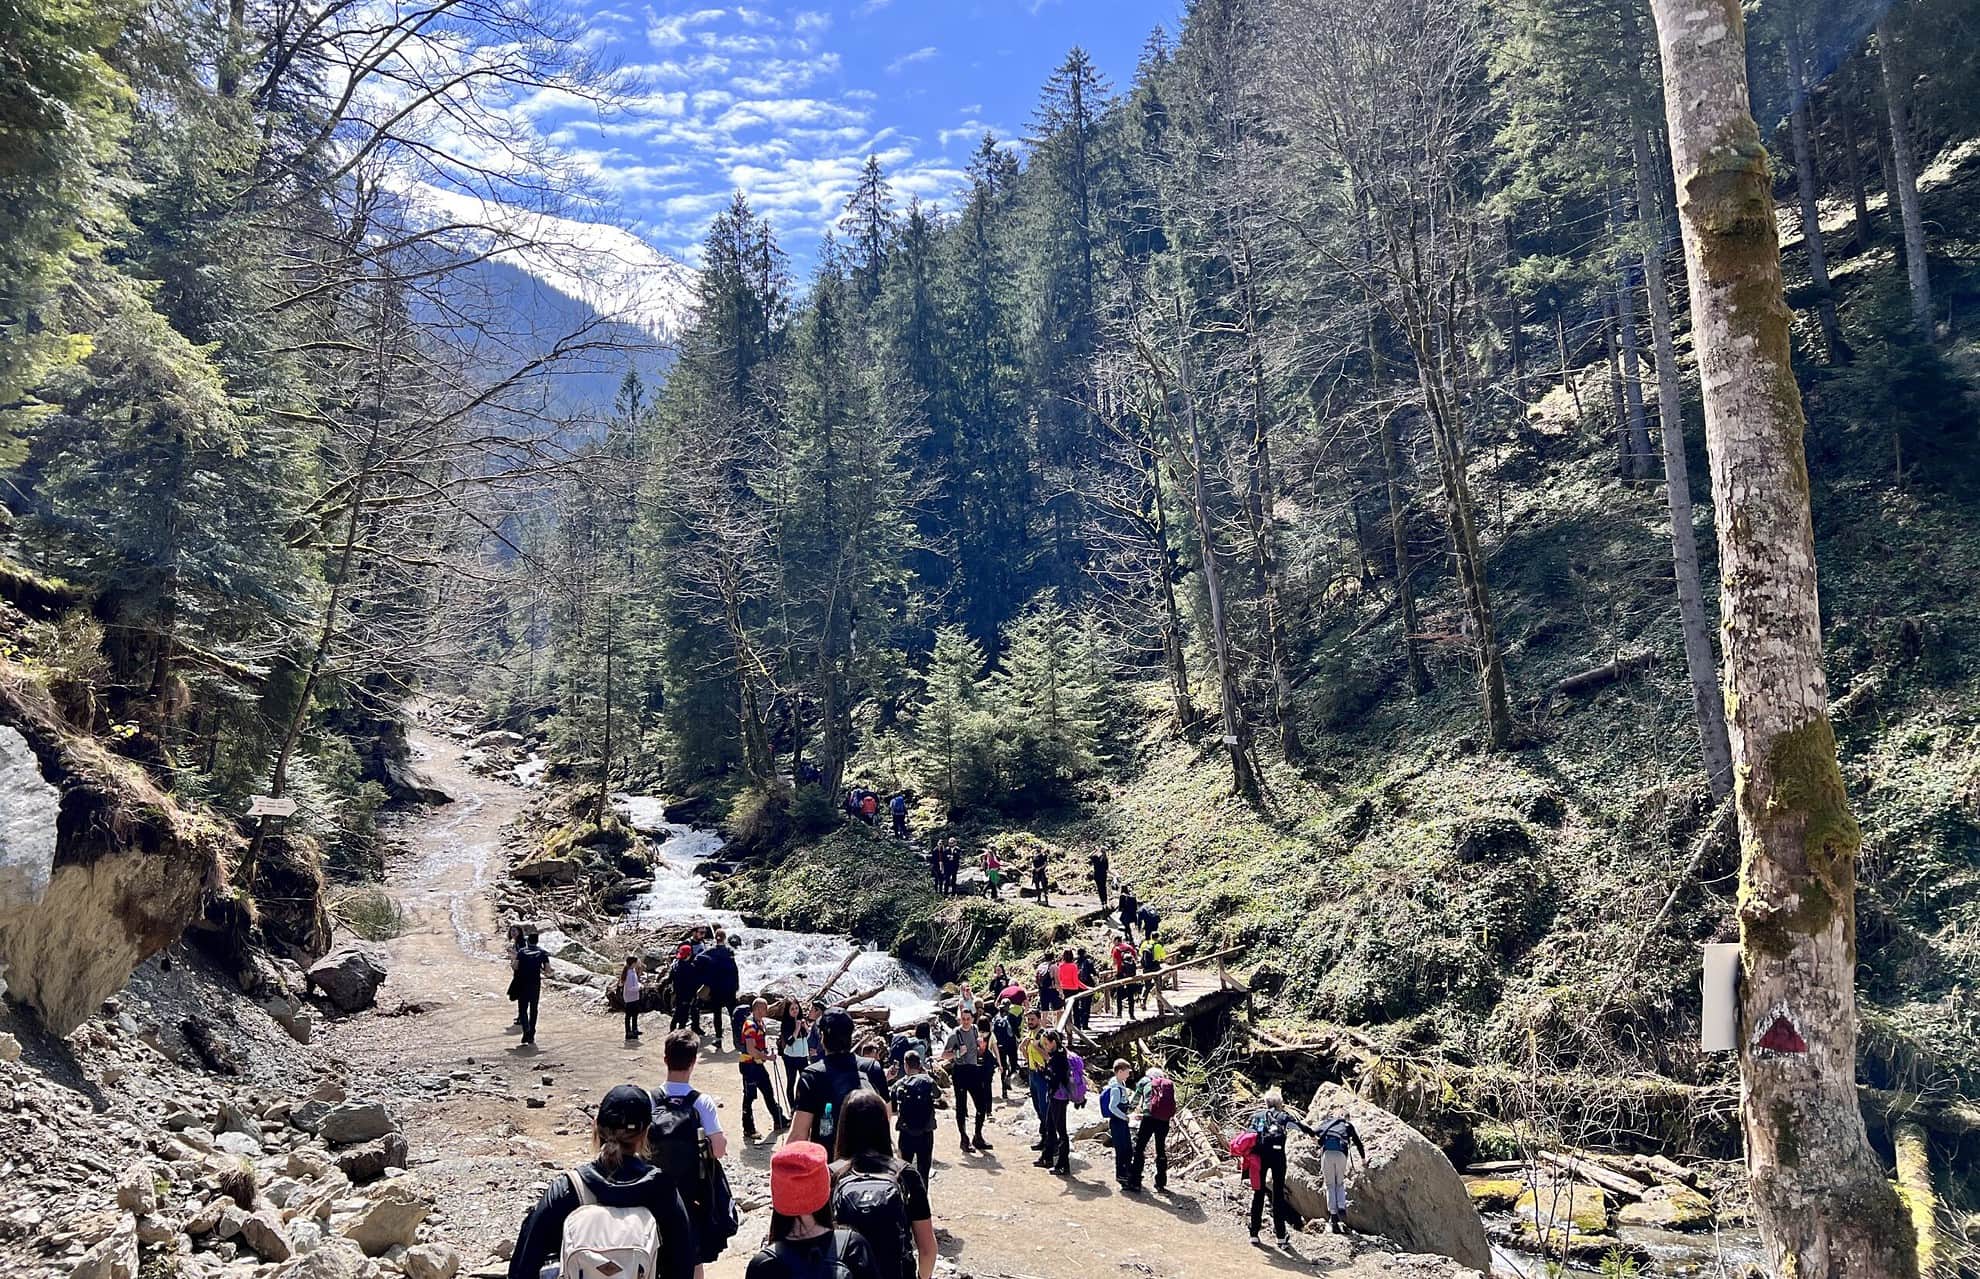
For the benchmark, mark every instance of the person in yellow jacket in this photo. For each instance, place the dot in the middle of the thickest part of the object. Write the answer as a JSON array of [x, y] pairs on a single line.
[[1034, 1053]]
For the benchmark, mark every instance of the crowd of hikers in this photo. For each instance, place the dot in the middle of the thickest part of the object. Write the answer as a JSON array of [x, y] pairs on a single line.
[[860, 1115]]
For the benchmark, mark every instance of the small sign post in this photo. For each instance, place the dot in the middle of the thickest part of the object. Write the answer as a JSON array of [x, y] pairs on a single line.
[[270, 806], [1718, 1020]]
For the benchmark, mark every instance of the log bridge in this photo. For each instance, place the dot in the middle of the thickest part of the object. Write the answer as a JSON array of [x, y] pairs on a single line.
[[1201, 986]]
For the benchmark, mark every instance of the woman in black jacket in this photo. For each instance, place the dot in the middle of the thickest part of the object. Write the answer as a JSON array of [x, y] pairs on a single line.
[[617, 1178]]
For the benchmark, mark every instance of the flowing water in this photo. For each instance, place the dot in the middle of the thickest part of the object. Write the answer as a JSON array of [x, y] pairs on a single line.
[[766, 956]]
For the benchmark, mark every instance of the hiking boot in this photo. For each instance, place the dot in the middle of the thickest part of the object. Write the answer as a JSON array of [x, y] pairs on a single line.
[[749, 1136], [980, 1143], [966, 1148], [1041, 1163], [1254, 1241], [1284, 1239], [779, 1122]]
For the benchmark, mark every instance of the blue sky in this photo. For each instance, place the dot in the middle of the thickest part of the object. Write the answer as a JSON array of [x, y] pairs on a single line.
[[786, 100]]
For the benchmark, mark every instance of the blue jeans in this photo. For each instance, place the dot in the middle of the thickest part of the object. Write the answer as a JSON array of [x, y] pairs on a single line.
[[1117, 1128], [1041, 1096]]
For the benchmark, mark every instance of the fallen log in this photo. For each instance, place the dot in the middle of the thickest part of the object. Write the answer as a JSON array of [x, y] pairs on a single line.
[[1921, 1202], [1613, 671], [1594, 1174], [833, 980]]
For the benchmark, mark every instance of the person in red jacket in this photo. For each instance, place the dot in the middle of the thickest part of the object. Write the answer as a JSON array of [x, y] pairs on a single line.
[[1070, 986]]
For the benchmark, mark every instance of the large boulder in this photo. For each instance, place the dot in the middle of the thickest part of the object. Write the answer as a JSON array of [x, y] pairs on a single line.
[[369, 1162], [349, 1122], [1407, 1191], [1668, 1207], [390, 1217], [29, 808], [349, 979]]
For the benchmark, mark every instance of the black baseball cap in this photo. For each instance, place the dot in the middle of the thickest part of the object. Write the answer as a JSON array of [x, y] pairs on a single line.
[[627, 1106], [836, 1029]]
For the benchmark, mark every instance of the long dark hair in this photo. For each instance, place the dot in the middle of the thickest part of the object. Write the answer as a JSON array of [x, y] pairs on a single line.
[[781, 1224], [864, 1127]]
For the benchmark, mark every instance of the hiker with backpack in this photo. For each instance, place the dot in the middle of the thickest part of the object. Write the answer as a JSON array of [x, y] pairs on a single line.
[[629, 996], [1271, 1125], [717, 968], [1097, 860], [531, 962], [1089, 977], [825, 1084], [1125, 968], [1155, 1099], [897, 807], [970, 1059], [1065, 1076], [993, 873], [753, 1043], [1149, 919], [617, 1214], [804, 1242], [1115, 1100], [1005, 1028], [683, 982], [916, 1097], [686, 1142], [1041, 879], [1129, 910], [883, 1198], [1336, 1134], [1047, 977], [1032, 1047]]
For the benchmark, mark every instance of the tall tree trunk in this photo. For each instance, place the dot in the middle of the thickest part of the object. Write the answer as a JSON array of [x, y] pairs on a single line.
[[1799, 127], [1618, 408], [1904, 172], [1708, 707], [1261, 502], [1173, 652], [1561, 353], [1848, 99], [1823, 1205], [1236, 738], [1632, 370], [1419, 672], [605, 747]]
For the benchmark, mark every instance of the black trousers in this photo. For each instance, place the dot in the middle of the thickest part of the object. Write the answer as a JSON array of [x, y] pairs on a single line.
[[1157, 1131], [972, 1086], [793, 1067], [1124, 997], [1100, 885], [756, 1080], [1041, 888], [684, 1016], [1083, 1012], [1272, 1179], [918, 1148], [527, 1004], [632, 1021], [1058, 1134]]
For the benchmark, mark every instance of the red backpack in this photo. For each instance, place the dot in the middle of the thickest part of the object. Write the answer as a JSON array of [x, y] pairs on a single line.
[[1162, 1099]]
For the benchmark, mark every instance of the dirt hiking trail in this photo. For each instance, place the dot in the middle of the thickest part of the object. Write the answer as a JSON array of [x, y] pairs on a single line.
[[489, 1120]]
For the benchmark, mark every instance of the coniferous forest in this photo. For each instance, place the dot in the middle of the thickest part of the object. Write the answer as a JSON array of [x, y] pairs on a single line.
[[1358, 469]]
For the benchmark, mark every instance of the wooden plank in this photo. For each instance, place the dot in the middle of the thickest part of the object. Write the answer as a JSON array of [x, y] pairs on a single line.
[[1594, 1174]]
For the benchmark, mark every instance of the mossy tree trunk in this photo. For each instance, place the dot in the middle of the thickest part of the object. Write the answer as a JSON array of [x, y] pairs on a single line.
[[1824, 1207], [1904, 174]]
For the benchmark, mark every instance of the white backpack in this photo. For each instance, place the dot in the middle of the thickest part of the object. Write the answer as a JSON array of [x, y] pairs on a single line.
[[608, 1243]]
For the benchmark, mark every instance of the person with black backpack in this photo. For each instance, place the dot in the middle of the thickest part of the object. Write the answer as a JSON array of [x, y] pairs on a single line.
[[617, 1214], [531, 961], [686, 1142], [1336, 1134], [716, 967], [825, 1084], [804, 1242], [883, 1198], [916, 1097], [1272, 1124]]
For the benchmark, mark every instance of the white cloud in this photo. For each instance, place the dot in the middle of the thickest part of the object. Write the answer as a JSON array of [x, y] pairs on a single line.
[[671, 31], [785, 75], [871, 7], [811, 22], [907, 60]]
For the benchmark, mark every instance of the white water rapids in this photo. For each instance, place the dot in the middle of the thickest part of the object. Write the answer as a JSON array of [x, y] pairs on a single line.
[[766, 956]]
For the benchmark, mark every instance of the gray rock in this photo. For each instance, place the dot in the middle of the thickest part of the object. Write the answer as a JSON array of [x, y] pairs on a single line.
[[263, 1232], [137, 1189], [154, 1229], [431, 1261], [238, 1143], [29, 806], [350, 1122], [368, 1162], [234, 1119], [1406, 1192], [10, 1047], [349, 979], [113, 1257], [390, 1217], [336, 1259]]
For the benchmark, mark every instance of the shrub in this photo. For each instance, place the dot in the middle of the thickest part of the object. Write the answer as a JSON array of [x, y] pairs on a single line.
[[370, 912]]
